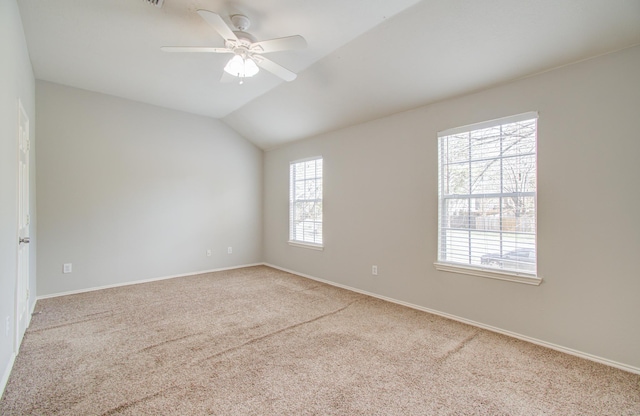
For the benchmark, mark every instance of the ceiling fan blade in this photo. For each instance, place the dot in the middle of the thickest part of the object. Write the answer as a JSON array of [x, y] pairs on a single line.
[[218, 24], [280, 44], [274, 68], [194, 49]]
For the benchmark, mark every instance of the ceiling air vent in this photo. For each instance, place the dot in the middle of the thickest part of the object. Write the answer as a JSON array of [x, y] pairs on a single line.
[[157, 3]]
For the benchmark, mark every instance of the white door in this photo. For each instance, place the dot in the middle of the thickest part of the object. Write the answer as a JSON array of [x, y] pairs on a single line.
[[22, 278]]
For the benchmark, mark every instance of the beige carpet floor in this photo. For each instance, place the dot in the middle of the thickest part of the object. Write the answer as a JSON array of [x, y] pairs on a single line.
[[258, 341]]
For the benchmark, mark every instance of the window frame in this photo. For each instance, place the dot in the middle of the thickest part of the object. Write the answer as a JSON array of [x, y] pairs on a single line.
[[293, 241], [473, 269]]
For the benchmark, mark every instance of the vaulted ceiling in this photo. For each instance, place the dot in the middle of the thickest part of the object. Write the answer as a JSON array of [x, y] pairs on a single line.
[[365, 58]]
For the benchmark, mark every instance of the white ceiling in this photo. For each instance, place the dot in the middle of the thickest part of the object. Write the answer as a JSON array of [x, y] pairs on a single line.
[[365, 59]]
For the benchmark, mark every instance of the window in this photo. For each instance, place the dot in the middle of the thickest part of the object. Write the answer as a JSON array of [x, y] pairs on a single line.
[[487, 197], [305, 202]]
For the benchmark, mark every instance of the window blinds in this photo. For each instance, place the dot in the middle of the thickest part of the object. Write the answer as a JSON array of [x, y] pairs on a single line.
[[487, 194], [305, 201]]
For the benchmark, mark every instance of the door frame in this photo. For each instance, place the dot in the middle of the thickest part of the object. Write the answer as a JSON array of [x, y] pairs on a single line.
[[22, 281]]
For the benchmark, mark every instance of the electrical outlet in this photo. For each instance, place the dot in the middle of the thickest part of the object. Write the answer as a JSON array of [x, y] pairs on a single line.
[[374, 270], [229, 250], [209, 253], [67, 268]]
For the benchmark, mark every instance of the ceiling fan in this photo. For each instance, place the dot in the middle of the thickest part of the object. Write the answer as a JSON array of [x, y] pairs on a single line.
[[246, 50]]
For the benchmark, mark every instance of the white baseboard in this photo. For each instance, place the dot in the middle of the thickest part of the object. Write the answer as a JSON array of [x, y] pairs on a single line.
[[536, 341], [137, 282], [7, 373], [33, 308]]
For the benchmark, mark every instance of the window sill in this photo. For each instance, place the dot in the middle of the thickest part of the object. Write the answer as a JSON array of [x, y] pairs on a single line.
[[510, 277], [311, 246]]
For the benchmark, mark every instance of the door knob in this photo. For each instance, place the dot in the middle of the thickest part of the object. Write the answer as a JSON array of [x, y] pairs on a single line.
[[25, 240]]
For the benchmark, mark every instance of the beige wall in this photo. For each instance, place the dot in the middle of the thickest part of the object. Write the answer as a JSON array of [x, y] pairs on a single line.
[[380, 208], [16, 83], [128, 191]]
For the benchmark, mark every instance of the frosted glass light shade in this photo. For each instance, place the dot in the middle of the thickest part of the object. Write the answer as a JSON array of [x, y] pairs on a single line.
[[250, 68], [241, 67]]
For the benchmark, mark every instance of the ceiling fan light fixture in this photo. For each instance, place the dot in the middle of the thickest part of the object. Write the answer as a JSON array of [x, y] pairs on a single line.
[[246, 49], [241, 67], [250, 67]]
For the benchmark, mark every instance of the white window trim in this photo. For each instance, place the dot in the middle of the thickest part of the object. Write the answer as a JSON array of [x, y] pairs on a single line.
[[306, 244], [510, 276], [302, 244], [306, 159], [490, 274], [490, 123]]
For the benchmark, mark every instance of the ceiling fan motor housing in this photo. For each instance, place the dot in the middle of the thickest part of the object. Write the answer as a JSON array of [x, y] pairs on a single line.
[[240, 22], [245, 38]]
